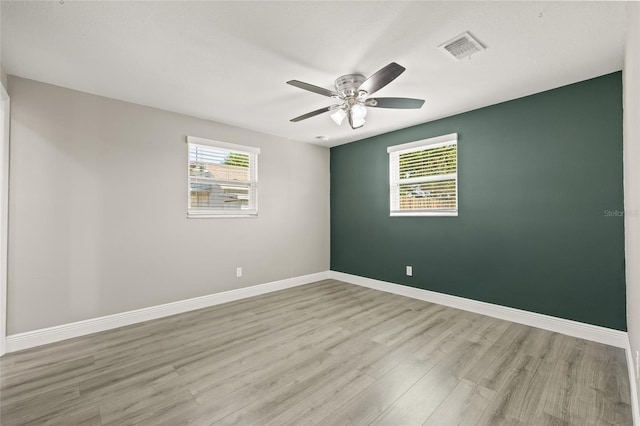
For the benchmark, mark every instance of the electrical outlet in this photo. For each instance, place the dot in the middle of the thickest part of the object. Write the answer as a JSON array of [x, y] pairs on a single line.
[[238, 272], [637, 365], [409, 271]]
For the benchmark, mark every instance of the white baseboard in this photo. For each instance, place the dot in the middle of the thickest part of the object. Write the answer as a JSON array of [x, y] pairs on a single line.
[[581, 330], [635, 408], [29, 339], [43, 336]]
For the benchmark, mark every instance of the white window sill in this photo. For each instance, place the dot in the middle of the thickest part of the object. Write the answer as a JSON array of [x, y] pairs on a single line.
[[221, 216], [401, 214]]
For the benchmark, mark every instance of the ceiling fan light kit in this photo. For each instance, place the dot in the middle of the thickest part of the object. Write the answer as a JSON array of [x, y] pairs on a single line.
[[352, 90], [338, 116], [358, 113]]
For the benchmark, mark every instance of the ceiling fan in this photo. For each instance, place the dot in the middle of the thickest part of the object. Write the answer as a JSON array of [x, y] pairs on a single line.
[[352, 90]]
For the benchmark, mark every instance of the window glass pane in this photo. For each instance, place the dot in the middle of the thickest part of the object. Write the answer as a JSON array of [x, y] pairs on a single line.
[[206, 195], [218, 164], [428, 162], [428, 195]]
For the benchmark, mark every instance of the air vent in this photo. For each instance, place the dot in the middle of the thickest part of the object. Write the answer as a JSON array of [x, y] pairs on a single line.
[[462, 46]]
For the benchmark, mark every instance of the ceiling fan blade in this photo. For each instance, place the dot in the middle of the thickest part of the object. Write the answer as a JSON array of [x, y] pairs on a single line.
[[400, 103], [312, 88], [312, 114], [381, 78]]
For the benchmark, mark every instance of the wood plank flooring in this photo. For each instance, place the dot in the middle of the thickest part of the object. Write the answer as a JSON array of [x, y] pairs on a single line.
[[326, 353]]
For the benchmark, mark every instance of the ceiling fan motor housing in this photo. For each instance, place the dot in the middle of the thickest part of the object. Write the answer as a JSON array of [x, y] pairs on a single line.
[[347, 85]]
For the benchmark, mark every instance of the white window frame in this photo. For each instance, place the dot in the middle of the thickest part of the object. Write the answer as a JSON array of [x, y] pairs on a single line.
[[394, 181], [253, 180]]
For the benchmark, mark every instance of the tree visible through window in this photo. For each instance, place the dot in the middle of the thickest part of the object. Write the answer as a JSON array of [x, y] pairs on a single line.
[[424, 177], [222, 179]]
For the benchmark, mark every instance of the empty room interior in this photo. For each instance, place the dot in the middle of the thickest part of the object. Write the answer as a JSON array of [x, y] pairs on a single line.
[[319, 212]]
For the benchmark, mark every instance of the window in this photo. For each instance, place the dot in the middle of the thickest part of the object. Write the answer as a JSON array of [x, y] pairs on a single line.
[[423, 177], [223, 179]]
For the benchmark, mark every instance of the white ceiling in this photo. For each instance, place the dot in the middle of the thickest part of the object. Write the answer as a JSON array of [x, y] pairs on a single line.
[[229, 61]]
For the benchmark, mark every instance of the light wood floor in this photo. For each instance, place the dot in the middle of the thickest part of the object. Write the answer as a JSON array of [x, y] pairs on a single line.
[[326, 353]]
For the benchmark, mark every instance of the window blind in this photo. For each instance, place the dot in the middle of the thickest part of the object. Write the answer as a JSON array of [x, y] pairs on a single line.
[[223, 179], [424, 177]]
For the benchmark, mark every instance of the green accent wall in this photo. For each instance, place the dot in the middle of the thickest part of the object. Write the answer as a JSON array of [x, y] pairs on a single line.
[[536, 177]]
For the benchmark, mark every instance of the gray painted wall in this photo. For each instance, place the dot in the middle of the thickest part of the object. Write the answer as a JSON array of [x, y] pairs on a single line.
[[98, 210], [4, 204], [632, 177], [3, 77]]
